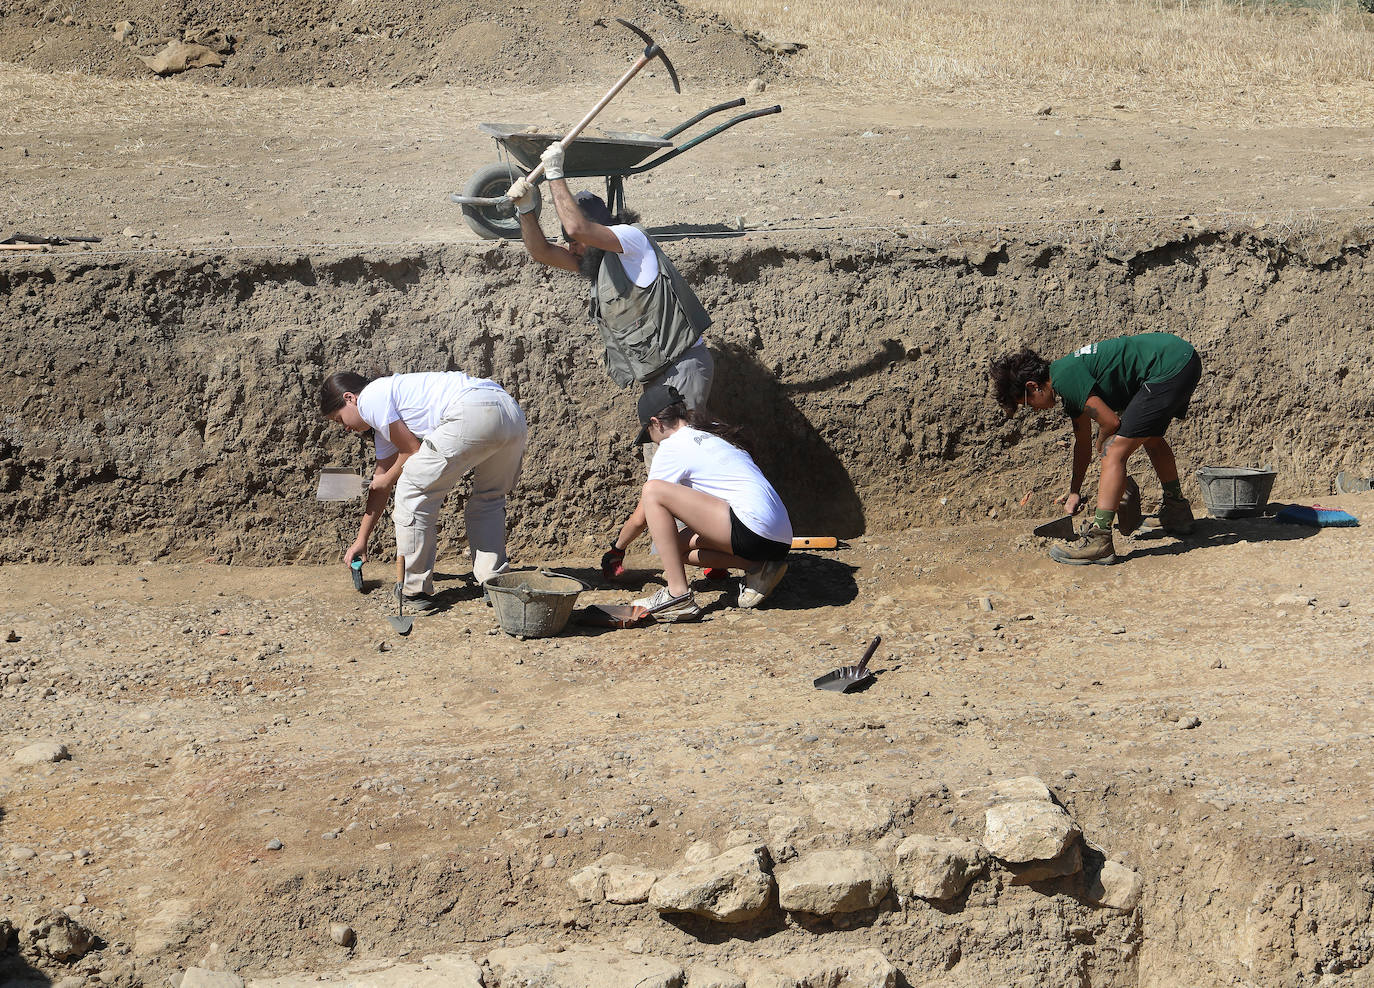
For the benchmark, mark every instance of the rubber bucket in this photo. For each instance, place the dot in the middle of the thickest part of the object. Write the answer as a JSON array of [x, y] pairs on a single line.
[[533, 605], [1235, 492]]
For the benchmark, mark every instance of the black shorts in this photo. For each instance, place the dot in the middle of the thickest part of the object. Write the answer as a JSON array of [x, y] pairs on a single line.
[[747, 544], [1155, 405]]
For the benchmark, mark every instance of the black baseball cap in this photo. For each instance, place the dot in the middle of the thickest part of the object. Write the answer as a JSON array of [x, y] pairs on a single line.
[[656, 399]]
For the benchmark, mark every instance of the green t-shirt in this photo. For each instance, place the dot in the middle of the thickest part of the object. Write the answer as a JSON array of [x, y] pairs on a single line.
[[1116, 369]]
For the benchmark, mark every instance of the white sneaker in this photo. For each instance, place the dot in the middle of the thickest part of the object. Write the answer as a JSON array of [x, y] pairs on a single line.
[[758, 584], [663, 606]]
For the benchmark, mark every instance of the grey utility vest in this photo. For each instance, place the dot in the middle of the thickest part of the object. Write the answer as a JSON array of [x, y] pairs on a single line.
[[644, 329]]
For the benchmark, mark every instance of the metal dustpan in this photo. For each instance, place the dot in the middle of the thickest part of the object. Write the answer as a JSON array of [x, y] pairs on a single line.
[[340, 484], [847, 678], [1060, 528]]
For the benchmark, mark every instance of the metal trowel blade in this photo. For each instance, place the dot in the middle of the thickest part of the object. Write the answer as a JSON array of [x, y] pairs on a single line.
[[401, 624], [1060, 528], [339, 484]]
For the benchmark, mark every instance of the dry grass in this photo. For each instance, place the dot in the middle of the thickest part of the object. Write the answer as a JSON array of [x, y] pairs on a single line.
[[1211, 59]]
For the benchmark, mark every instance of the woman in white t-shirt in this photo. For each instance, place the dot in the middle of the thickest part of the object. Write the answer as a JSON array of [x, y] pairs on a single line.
[[429, 430], [702, 477]]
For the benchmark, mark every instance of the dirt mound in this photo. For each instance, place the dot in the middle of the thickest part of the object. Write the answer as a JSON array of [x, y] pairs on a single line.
[[380, 42]]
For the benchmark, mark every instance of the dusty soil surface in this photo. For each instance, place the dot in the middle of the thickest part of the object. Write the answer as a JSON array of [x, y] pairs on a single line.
[[436, 792]]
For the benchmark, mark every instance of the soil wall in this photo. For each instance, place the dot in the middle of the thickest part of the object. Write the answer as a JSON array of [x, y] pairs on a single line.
[[163, 406]]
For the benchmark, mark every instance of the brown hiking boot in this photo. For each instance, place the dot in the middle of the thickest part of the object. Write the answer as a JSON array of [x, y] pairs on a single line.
[[1176, 515], [1093, 545], [1128, 514]]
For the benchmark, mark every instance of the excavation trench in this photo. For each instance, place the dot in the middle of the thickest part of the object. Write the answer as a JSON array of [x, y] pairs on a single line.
[[438, 792], [163, 407]]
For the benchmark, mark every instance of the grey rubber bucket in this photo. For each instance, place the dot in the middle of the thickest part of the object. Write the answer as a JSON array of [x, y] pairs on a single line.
[[1235, 492], [533, 605]]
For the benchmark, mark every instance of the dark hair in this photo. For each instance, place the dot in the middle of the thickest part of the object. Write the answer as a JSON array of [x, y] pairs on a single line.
[[1011, 373], [595, 209], [703, 421], [335, 386]]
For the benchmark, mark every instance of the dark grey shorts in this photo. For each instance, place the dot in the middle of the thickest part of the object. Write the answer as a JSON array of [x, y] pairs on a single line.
[[1157, 404]]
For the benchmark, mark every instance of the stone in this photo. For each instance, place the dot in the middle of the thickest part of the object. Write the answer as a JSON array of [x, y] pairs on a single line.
[[1015, 790], [590, 882], [830, 882], [58, 937], [9, 936], [178, 56], [534, 966], [936, 868], [732, 887], [1028, 830], [1027, 873], [705, 976], [123, 31], [342, 934], [274, 845], [629, 884], [863, 968], [41, 752], [756, 86], [21, 853], [432, 971], [700, 851], [1114, 886], [1114, 165], [165, 929], [199, 977], [849, 807]]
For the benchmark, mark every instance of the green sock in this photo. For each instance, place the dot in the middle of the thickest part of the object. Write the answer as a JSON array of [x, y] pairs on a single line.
[[1174, 488], [1103, 519]]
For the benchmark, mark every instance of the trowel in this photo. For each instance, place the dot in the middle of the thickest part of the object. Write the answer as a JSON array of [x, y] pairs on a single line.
[[339, 484], [847, 678], [1060, 528], [400, 620]]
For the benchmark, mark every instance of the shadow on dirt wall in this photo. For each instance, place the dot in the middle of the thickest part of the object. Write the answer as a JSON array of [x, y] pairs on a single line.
[[810, 478]]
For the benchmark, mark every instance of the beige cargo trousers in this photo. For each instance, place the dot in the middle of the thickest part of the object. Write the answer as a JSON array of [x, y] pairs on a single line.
[[483, 430]]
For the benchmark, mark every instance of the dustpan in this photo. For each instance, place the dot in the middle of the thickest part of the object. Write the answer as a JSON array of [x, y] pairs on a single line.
[[847, 678]]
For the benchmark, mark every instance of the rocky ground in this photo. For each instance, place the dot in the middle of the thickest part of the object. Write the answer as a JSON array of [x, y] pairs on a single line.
[[248, 756]]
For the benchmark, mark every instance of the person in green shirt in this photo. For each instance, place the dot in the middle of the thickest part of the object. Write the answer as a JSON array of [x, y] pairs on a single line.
[[1132, 387]]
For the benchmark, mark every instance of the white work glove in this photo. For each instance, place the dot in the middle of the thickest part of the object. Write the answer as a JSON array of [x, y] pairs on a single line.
[[522, 193], [553, 161]]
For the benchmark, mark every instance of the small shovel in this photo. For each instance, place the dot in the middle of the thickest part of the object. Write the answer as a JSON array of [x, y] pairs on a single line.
[[400, 620], [847, 678]]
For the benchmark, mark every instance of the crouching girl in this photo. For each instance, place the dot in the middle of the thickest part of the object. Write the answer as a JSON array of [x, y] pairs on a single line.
[[704, 478], [430, 430]]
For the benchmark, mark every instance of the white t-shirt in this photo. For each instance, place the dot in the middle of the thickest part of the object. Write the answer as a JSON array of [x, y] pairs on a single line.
[[636, 255], [707, 463], [418, 400]]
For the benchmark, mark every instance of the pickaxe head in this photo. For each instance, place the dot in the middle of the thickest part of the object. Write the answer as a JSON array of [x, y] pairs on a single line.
[[652, 50]]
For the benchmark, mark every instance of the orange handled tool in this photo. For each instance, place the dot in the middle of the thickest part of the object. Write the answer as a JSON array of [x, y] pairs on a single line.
[[815, 542]]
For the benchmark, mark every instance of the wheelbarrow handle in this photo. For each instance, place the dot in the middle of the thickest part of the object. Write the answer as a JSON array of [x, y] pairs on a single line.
[[702, 116]]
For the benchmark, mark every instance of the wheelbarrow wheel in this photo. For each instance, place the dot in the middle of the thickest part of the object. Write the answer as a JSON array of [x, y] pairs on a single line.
[[495, 222]]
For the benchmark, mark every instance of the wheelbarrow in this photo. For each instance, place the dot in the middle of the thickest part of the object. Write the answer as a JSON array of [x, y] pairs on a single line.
[[617, 155]]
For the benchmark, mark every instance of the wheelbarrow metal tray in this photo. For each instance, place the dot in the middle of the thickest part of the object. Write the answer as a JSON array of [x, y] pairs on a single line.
[[593, 155]]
